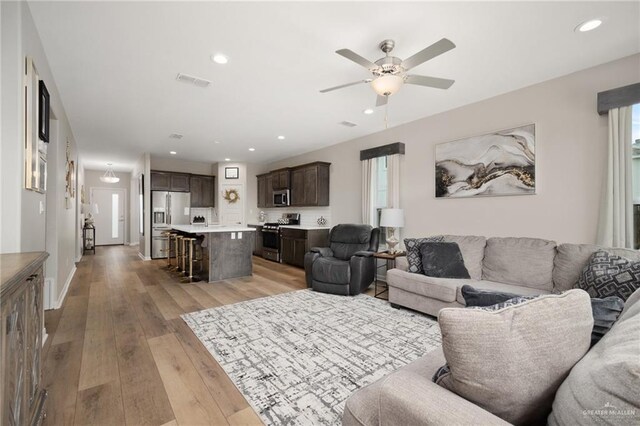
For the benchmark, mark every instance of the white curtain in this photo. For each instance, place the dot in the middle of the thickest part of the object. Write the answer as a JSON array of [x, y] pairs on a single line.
[[369, 174], [615, 228], [393, 181]]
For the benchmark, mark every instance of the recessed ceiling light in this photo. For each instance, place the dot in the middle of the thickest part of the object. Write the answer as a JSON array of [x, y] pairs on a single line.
[[589, 25], [172, 152], [227, 159], [281, 138], [219, 58], [252, 149], [216, 141], [368, 111]]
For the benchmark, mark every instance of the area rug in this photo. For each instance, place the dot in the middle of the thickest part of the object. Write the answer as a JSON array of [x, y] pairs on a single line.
[[296, 357]]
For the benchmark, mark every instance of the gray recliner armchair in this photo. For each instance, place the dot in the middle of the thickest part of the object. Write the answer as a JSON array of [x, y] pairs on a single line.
[[347, 267]]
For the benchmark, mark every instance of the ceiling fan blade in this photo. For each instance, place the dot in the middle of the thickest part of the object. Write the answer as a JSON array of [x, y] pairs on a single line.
[[423, 80], [437, 48], [345, 85], [381, 100], [353, 56]]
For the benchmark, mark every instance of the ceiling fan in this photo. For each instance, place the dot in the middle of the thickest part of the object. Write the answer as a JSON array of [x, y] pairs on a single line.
[[390, 73]]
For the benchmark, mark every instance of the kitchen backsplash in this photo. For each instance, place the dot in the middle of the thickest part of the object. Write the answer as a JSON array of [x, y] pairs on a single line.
[[209, 213], [308, 215]]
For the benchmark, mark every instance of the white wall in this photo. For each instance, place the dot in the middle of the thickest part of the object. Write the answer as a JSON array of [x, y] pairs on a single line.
[[143, 167], [182, 166], [222, 205], [570, 148], [23, 226], [92, 180]]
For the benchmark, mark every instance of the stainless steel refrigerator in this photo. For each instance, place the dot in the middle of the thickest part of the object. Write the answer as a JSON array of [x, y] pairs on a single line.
[[167, 209]]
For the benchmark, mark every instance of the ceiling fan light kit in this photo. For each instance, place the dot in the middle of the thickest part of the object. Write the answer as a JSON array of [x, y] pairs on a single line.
[[390, 73]]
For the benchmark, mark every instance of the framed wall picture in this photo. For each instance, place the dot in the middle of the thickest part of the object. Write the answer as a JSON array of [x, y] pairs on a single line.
[[231, 173], [494, 164], [43, 113]]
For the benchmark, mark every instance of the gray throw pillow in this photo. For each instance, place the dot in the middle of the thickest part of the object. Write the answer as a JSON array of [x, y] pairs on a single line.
[[443, 260], [511, 361], [413, 252], [608, 274]]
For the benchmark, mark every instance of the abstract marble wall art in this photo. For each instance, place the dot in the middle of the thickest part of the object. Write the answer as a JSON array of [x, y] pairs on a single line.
[[495, 164]]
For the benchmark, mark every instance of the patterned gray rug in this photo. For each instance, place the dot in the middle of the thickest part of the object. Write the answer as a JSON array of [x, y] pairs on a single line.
[[296, 357]]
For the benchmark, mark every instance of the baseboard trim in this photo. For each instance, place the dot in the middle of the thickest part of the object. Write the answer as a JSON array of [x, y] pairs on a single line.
[[134, 244], [143, 257], [67, 283]]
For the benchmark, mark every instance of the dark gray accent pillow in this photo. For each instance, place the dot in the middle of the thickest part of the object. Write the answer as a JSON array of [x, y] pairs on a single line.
[[608, 274], [443, 260], [476, 297], [413, 252], [605, 313]]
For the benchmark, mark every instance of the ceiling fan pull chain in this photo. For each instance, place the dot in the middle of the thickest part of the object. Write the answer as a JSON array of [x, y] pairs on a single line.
[[386, 116]]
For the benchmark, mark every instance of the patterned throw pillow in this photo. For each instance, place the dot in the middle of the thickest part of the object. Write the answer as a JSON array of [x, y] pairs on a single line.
[[414, 257], [608, 274]]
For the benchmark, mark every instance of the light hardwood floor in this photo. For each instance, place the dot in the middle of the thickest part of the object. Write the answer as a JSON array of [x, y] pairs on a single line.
[[118, 352]]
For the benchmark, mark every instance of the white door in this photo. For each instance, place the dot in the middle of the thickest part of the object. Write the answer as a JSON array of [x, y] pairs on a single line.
[[109, 221], [232, 211]]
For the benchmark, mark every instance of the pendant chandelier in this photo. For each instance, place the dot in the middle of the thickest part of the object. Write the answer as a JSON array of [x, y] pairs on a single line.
[[109, 176]]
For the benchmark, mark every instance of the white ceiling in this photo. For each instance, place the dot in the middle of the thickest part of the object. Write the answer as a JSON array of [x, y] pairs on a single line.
[[115, 65]]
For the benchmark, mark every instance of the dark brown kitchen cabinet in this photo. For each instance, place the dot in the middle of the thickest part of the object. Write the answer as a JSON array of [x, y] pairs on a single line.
[[168, 181], [257, 250], [262, 190], [280, 179], [269, 190], [202, 191], [310, 185], [295, 243]]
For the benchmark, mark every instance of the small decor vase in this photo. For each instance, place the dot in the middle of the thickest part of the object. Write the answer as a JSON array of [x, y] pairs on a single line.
[[322, 221]]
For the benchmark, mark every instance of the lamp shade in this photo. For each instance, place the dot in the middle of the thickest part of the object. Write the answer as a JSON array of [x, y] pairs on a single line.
[[387, 85], [392, 218]]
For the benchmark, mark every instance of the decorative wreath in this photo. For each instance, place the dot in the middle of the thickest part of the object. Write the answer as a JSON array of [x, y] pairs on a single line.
[[231, 195]]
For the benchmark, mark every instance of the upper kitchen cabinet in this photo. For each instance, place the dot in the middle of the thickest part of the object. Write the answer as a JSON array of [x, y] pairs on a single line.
[[202, 191], [280, 179], [262, 190], [310, 184], [167, 181]]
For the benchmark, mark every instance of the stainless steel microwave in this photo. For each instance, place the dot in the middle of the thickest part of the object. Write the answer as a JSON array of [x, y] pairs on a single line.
[[281, 198]]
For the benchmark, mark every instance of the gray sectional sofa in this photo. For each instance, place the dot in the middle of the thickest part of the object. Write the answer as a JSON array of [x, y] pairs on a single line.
[[602, 388], [523, 266]]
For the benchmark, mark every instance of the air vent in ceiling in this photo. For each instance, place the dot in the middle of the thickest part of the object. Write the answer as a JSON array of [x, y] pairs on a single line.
[[196, 81], [347, 124], [175, 136]]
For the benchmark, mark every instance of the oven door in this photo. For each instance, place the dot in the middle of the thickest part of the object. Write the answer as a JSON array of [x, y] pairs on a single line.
[[271, 240]]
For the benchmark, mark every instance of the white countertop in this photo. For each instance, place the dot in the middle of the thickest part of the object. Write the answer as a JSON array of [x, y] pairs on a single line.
[[201, 229], [306, 228]]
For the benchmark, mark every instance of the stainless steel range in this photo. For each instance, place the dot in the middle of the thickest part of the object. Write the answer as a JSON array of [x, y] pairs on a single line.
[[271, 235]]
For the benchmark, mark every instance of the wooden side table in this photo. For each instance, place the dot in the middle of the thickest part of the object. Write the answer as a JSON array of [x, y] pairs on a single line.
[[88, 239], [389, 263]]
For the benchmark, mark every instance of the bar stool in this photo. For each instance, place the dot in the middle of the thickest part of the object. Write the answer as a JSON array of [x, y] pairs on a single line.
[[189, 249], [167, 235], [179, 247]]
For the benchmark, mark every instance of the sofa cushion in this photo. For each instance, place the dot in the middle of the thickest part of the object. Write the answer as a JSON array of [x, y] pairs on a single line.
[[331, 270], [512, 361], [521, 261], [603, 388], [361, 408], [572, 258], [472, 249], [442, 260], [499, 287], [413, 252], [443, 289], [608, 274]]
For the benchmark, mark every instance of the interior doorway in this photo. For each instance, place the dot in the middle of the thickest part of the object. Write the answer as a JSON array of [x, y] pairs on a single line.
[[110, 218]]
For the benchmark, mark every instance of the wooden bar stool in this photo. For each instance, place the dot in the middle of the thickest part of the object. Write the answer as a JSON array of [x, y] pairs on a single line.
[[167, 235]]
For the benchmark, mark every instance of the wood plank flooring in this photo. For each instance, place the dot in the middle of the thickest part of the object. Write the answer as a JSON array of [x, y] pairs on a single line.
[[118, 352]]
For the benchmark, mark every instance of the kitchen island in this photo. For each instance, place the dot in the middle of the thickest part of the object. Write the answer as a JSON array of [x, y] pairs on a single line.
[[229, 249]]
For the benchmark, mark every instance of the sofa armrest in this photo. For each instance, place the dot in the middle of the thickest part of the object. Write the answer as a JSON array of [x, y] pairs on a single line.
[[363, 253], [322, 251], [402, 263], [410, 399]]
